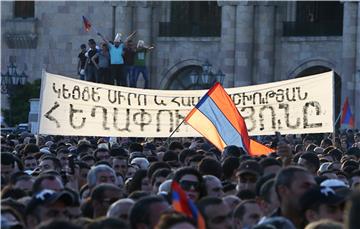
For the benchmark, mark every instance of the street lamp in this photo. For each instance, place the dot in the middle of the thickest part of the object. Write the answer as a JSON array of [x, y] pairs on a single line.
[[11, 78], [207, 77]]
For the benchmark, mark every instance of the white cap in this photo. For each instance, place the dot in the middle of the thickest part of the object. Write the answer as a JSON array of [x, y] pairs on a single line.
[[165, 187], [140, 43], [143, 163], [117, 37], [82, 72], [324, 167], [333, 183]]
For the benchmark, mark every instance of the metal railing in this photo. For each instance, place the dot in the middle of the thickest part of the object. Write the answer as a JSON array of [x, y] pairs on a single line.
[[324, 28], [171, 29]]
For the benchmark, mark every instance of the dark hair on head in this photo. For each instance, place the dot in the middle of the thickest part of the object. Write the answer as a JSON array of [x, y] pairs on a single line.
[[87, 158], [336, 154], [312, 159], [269, 161], [311, 147], [265, 190], [83, 46], [11, 192], [159, 173], [327, 150], [135, 147], [230, 165], [92, 41], [15, 177], [55, 161], [232, 151], [210, 166], [82, 165], [170, 155], [327, 141], [354, 151], [137, 195], [203, 203], [155, 166], [118, 152], [58, 224], [299, 148], [246, 194], [108, 223], [185, 153], [99, 190], [260, 182], [7, 159], [176, 145], [196, 158], [140, 212], [169, 219], [286, 176], [31, 148], [135, 183], [240, 209], [100, 150], [243, 158], [190, 171], [37, 184]]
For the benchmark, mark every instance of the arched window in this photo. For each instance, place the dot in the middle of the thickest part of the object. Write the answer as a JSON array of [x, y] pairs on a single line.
[[185, 79]]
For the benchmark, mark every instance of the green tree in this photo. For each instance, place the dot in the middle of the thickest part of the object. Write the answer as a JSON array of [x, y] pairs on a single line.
[[19, 105]]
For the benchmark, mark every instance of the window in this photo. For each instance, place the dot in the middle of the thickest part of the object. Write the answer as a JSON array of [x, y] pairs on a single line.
[[24, 9], [316, 18], [193, 19]]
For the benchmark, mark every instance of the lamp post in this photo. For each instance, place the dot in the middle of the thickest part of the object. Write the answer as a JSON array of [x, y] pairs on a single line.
[[11, 79], [206, 78]]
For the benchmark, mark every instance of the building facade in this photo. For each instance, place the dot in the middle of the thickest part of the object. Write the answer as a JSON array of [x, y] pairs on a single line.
[[251, 42]]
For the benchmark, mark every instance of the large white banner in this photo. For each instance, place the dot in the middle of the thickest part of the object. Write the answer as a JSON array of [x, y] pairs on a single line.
[[75, 107]]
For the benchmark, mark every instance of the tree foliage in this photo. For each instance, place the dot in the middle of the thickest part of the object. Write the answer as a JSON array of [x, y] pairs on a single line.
[[19, 105]]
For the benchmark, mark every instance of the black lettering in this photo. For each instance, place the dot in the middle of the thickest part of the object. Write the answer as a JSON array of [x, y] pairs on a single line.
[[66, 93], [287, 117], [95, 95], [112, 96], [57, 91], [293, 99], [280, 96], [104, 111], [158, 120], [273, 122], [85, 95], [76, 92], [249, 118], [72, 112], [127, 122], [160, 102], [174, 100], [305, 111], [142, 122], [299, 96]]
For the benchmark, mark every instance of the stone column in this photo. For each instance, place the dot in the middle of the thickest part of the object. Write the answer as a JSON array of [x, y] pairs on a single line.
[[143, 27], [349, 52], [265, 44], [357, 74], [227, 42], [123, 19], [244, 44]]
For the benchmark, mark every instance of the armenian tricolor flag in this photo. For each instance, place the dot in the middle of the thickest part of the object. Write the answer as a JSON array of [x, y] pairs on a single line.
[[346, 116], [87, 24], [185, 206], [218, 120]]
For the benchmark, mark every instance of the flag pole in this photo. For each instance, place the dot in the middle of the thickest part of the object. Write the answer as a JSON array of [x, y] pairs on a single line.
[[172, 133]]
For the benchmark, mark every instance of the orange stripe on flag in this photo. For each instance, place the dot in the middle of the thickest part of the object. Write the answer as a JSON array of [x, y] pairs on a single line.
[[257, 149], [206, 128], [227, 106]]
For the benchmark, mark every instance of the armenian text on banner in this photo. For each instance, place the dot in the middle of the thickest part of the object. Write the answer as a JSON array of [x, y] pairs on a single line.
[[74, 107]]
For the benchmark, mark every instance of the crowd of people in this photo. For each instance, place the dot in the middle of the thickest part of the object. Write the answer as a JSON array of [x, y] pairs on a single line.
[[309, 181], [115, 62]]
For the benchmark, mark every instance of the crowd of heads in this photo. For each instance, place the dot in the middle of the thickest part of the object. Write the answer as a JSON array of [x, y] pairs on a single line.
[[309, 181]]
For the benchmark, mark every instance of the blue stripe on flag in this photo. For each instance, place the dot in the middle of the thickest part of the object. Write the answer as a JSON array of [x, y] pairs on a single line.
[[225, 129]]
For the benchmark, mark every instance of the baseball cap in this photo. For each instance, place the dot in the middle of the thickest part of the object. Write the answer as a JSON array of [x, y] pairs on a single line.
[[48, 197], [250, 166], [320, 195]]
